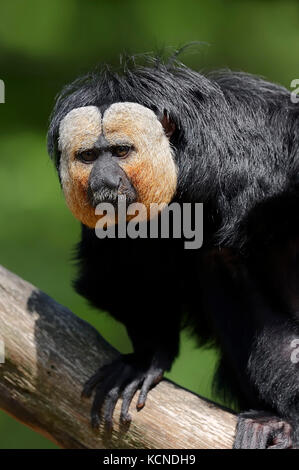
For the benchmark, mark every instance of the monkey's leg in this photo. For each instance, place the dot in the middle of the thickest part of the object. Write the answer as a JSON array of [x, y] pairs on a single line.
[[261, 370], [275, 376], [153, 354]]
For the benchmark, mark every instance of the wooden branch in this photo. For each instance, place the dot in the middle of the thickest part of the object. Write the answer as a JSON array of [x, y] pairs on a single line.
[[50, 353]]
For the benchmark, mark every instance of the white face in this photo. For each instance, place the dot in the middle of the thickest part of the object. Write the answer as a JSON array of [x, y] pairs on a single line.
[[149, 166]]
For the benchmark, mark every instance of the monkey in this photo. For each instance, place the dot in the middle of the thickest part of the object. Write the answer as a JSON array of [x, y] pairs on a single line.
[[160, 132]]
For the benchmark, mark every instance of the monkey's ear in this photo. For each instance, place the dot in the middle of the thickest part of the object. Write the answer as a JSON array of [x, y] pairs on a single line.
[[168, 125]]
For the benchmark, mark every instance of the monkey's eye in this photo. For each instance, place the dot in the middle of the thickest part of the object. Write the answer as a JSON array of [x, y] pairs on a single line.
[[88, 156], [121, 151]]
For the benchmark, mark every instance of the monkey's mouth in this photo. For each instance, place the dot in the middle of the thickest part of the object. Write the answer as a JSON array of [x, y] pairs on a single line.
[[126, 194]]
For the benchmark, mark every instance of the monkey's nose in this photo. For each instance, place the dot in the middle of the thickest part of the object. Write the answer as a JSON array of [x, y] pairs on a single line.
[[111, 180], [105, 176]]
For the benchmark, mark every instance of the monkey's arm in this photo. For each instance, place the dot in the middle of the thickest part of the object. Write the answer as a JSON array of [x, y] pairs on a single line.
[[135, 283]]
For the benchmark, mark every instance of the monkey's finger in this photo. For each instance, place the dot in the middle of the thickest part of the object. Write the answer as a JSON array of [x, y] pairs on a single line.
[[91, 383], [282, 437], [260, 436], [100, 395], [96, 407], [282, 444], [152, 379], [244, 434], [109, 406], [128, 395], [271, 435], [113, 395], [103, 371]]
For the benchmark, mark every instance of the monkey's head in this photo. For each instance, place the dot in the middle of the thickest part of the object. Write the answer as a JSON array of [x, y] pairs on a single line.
[[121, 151], [127, 135]]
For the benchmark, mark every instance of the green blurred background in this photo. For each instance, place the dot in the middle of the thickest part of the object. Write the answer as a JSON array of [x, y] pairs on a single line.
[[45, 44]]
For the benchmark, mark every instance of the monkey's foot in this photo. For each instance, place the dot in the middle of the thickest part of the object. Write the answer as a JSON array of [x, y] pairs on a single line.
[[261, 430], [122, 378]]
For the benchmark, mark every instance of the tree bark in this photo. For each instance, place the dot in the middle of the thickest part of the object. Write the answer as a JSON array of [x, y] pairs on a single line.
[[50, 353]]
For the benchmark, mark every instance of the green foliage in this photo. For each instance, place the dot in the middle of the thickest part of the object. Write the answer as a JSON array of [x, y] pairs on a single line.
[[45, 44]]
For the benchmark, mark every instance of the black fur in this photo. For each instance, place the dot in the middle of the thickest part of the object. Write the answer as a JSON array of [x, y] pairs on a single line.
[[236, 147]]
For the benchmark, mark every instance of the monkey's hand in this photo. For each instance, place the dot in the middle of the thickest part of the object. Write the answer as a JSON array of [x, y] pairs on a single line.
[[261, 430], [122, 378]]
